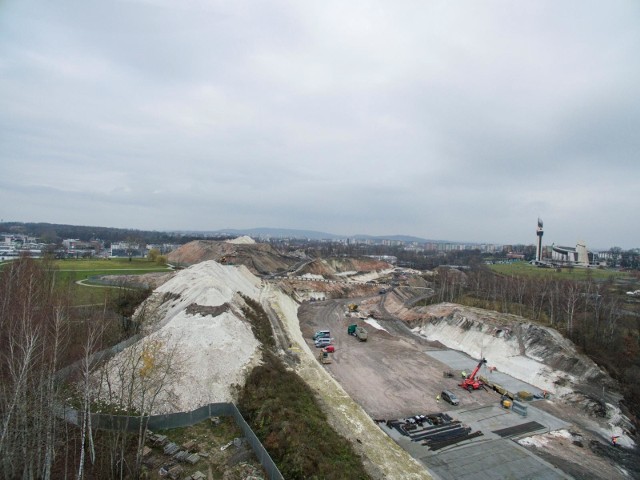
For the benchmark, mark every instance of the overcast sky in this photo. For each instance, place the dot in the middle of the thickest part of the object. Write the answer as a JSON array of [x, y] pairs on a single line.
[[447, 120]]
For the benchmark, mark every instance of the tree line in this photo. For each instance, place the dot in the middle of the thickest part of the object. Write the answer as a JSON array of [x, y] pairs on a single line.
[[55, 233]]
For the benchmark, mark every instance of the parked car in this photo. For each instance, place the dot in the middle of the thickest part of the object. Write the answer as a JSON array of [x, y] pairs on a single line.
[[329, 349], [321, 334], [323, 342], [450, 397]]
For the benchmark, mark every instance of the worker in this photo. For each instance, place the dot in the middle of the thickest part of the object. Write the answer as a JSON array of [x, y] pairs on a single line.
[[614, 440], [463, 374], [438, 398]]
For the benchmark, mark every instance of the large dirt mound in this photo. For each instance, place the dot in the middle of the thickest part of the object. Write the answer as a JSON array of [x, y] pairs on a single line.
[[533, 353], [197, 325], [259, 258], [336, 267]]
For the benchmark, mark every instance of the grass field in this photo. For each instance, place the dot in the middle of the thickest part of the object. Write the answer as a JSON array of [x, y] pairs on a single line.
[[74, 270], [525, 269], [82, 269]]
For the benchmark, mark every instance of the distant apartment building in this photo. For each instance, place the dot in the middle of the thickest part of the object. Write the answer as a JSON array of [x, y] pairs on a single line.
[[392, 259], [13, 245], [73, 247], [125, 249]]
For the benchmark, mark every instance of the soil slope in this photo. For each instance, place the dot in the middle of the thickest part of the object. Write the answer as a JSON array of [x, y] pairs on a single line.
[[530, 352], [335, 268], [259, 258], [197, 314]]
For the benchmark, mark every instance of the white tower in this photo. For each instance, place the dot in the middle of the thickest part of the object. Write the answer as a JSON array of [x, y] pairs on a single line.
[[539, 233], [583, 253]]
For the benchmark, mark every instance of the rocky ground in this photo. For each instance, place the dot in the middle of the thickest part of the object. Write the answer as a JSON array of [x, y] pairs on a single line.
[[146, 280]]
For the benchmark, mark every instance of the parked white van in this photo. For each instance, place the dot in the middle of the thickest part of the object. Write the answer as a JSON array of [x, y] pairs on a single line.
[[323, 342]]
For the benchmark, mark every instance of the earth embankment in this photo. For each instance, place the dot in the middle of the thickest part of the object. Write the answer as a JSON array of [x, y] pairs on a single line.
[[259, 258], [532, 353]]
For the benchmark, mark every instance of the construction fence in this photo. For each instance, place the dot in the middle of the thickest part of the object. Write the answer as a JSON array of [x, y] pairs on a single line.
[[163, 422], [180, 419]]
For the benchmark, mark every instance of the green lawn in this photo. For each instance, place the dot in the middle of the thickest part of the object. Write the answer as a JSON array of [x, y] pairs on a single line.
[[82, 269], [108, 264], [73, 270], [576, 273]]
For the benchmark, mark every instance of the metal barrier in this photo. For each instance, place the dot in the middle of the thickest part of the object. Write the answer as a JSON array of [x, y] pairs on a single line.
[[519, 408], [98, 357], [163, 422], [263, 456], [169, 421]]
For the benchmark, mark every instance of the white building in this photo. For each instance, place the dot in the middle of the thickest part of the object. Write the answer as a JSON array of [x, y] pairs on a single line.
[[578, 255]]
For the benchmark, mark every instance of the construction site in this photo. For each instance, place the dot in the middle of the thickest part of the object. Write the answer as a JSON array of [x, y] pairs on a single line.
[[421, 391]]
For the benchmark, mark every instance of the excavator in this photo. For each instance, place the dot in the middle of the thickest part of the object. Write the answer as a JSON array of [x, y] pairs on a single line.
[[471, 382]]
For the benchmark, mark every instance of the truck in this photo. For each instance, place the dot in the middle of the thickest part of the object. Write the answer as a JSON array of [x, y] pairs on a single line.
[[359, 332], [324, 357]]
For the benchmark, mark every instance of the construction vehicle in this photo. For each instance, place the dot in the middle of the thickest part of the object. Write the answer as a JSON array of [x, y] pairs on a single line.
[[353, 307], [471, 382], [324, 357], [358, 332]]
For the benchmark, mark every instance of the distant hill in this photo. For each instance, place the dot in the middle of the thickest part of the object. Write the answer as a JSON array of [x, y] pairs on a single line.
[[309, 234], [400, 238], [275, 233], [51, 232]]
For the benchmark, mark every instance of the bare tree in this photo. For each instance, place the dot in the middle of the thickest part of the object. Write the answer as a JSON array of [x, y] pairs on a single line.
[[94, 335], [571, 297], [33, 334], [131, 383]]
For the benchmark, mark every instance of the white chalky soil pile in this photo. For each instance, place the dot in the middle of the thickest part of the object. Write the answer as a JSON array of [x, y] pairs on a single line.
[[214, 352]]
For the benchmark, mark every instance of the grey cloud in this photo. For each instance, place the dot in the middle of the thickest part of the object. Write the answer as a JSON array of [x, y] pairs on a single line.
[[460, 121]]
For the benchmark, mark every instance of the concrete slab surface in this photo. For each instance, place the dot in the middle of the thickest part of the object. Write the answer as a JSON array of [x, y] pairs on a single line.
[[487, 457], [458, 361], [491, 459], [494, 417]]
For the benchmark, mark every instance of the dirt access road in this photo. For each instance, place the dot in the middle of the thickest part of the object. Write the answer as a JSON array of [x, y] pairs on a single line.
[[389, 375]]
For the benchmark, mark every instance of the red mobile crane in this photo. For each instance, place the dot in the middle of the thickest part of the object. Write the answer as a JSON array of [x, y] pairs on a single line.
[[471, 382]]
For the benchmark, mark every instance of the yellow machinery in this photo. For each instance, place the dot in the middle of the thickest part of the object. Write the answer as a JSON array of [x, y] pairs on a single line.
[[353, 307], [324, 357]]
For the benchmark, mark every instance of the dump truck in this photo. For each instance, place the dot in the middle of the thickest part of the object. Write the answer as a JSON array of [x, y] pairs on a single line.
[[358, 332]]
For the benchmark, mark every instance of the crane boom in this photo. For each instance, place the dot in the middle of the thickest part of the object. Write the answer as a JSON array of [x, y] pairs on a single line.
[[471, 383]]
